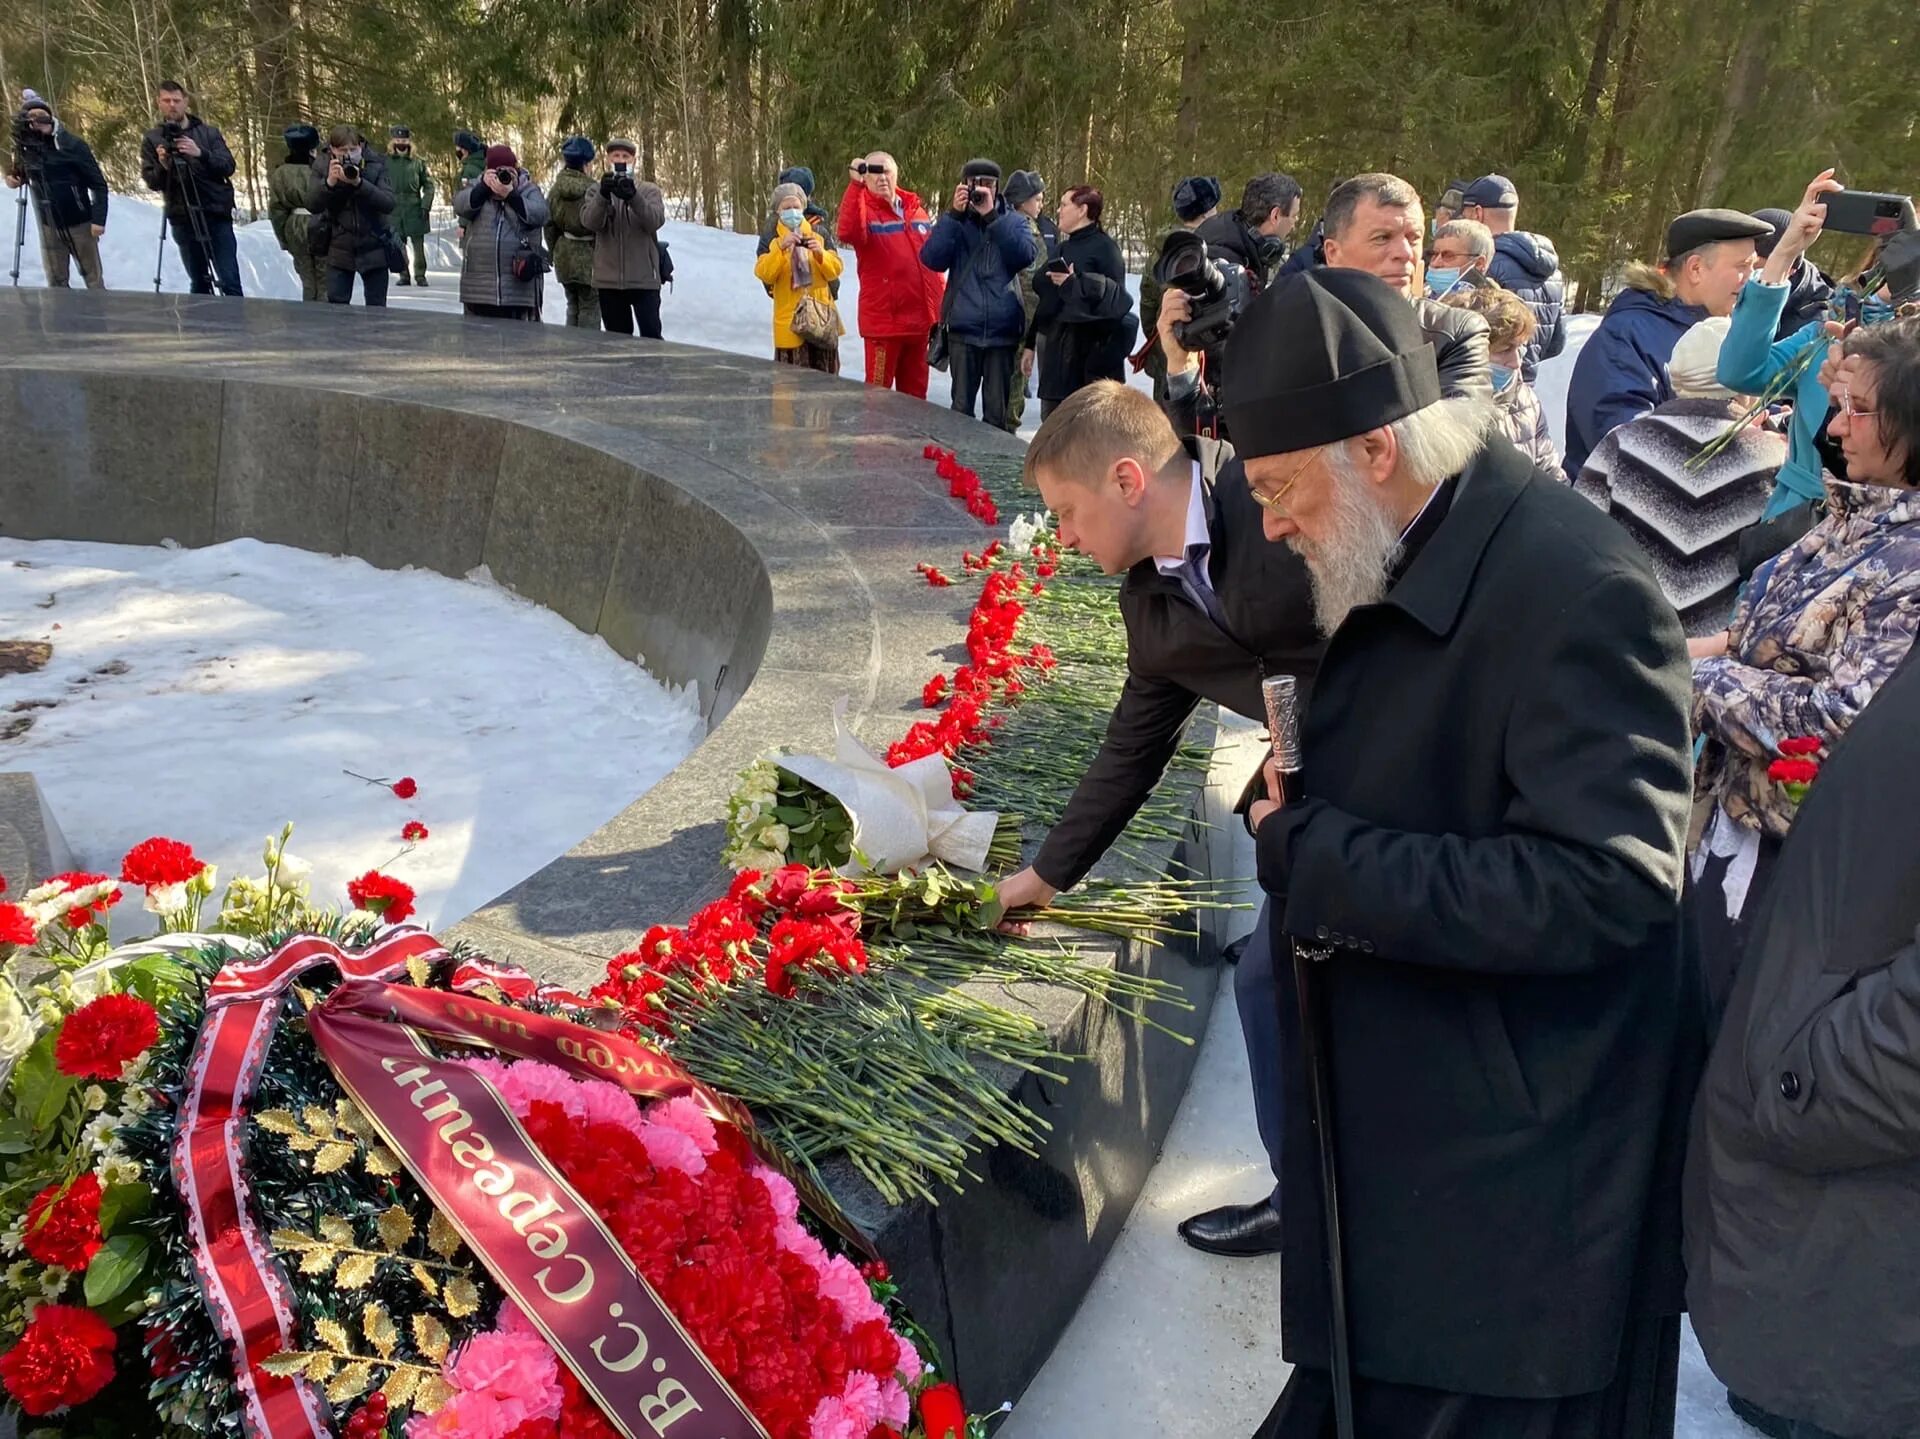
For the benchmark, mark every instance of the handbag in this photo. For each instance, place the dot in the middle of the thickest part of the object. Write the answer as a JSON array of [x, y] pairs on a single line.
[[396, 251], [529, 263], [818, 322]]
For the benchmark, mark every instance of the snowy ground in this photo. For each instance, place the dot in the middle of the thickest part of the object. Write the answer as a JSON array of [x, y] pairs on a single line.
[[212, 695]]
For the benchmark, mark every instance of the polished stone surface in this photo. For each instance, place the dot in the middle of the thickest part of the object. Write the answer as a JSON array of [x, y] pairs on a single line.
[[745, 528], [31, 844]]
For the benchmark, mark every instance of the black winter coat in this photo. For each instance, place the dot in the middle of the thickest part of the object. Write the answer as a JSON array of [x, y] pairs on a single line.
[[1528, 265], [1177, 657], [360, 214], [1228, 235], [1087, 322], [65, 180], [207, 178], [1803, 1180], [1496, 781], [1808, 291]]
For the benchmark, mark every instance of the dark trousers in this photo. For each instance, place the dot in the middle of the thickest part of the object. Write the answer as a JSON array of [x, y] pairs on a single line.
[[223, 262], [620, 308], [502, 312], [1638, 1404], [419, 243], [1255, 994], [1722, 942], [985, 371], [373, 287]]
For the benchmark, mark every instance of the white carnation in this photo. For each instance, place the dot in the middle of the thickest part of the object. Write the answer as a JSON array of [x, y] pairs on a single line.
[[293, 869], [17, 1028], [166, 899]]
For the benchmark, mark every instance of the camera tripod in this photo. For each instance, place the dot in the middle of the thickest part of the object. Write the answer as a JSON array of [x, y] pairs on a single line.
[[19, 238], [196, 219]]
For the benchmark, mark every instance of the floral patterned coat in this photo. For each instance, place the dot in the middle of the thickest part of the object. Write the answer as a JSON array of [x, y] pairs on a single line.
[[1820, 628]]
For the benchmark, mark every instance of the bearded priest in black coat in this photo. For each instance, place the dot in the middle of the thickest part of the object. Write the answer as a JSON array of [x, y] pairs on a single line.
[[1486, 864]]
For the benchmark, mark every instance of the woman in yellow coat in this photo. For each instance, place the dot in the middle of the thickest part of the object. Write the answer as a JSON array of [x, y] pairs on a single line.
[[798, 266]]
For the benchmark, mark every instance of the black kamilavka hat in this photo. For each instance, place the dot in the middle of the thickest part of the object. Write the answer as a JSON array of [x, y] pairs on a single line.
[[1323, 356]]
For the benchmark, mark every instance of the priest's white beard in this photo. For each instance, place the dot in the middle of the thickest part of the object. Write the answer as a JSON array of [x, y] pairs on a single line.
[[1350, 569]]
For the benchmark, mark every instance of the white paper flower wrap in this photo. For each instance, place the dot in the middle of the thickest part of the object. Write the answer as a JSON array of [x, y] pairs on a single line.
[[901, 817]]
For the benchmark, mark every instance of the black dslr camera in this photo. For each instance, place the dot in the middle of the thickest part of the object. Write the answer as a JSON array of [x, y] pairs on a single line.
[[349, 170], [1217, 288], [504, 175]]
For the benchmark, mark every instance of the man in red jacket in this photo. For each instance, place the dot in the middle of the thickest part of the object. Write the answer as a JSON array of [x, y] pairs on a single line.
[[886, 227]]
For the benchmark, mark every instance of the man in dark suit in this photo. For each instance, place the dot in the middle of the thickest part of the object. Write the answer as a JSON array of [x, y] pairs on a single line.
[[1211, 608], [1486, 865]]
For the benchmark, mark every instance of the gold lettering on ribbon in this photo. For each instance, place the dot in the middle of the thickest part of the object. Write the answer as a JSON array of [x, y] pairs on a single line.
[[667, 1405], [628, 1362], [579, 1291]]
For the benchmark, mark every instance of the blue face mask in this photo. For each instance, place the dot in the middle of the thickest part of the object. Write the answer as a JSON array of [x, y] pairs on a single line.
[[1439, 281], [1502, 376], [791, 218]]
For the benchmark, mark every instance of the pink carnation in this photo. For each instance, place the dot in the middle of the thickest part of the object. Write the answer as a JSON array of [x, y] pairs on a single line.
[[780, 1190], [895, 1407], [862, 1395], [791, 1236], [690, 1119], [671, 1148], [910, 1366], [604, 1103], [832, 1419], [842, 1285], [501, 1381]]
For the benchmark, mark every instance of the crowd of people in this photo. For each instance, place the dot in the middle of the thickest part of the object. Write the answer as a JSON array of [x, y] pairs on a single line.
[[1583, 1016], [1604, 947]]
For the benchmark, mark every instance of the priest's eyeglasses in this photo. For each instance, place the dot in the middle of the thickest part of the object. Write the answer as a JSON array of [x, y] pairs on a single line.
[[1277, 500]]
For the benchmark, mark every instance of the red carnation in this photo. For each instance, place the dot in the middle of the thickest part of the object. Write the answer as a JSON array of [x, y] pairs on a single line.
[[99, 1039], [881, 1431], [1793, 771], [405, 788], [157, 861], [382, 894], [15, 927], [935, 688], [1800, 746], [63, 1223], [942, 1413], [413, 831], [65, 1357]]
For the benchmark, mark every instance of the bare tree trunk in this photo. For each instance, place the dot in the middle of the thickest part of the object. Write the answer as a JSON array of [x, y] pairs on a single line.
[[1577, 158], [1190, 15], [1746, 81]]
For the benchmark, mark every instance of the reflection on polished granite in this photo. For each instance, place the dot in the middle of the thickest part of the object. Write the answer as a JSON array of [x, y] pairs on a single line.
[[747, 528]]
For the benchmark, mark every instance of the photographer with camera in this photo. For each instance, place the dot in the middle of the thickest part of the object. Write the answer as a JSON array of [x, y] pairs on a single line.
[[502, 274], [69, 193], [1196, 200], [625, 214], [886, 227], [982, 246], [187, 161], [350, 200], [287, 210], [1084, 317], [1255, 236], [412, 186], [1373, 223]]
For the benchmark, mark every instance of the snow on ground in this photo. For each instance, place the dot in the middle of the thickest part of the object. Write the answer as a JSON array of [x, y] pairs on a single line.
[[132, 240], [1555, 375], [211, 695]]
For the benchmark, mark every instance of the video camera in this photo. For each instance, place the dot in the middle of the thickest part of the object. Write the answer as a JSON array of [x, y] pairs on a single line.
[[1218, 289]]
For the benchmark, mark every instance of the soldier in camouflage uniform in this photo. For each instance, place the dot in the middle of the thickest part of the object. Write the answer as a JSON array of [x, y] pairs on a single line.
[[568, 240]]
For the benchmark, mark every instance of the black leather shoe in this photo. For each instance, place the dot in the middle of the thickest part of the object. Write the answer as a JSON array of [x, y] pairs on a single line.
[[1235, 1230]]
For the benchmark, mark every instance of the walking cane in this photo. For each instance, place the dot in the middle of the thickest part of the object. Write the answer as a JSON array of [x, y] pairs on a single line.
[[1282, 696], [19, 237]]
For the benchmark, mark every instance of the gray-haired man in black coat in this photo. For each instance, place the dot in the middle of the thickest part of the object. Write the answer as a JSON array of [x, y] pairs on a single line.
[[1487, 855]]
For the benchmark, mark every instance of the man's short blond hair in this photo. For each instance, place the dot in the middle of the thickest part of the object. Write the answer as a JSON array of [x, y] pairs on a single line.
[[1098, 425]]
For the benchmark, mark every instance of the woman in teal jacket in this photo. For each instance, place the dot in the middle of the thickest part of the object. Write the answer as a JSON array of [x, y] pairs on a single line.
[[1751, 359]]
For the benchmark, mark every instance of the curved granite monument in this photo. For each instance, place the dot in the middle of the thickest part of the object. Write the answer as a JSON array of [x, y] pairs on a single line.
[[748, 529]]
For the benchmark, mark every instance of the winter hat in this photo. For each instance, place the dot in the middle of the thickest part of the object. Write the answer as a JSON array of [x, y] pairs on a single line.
[[1711, 227], [468, 141], [789, 191], [501, 157], [1194, 196], [618, 144], [1779, 219], [798, 175], [1693, 370], [577, 151], [1023, 185], [399, 132], [31, 100], [980, 170], [301, 139], [1323, 356]]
